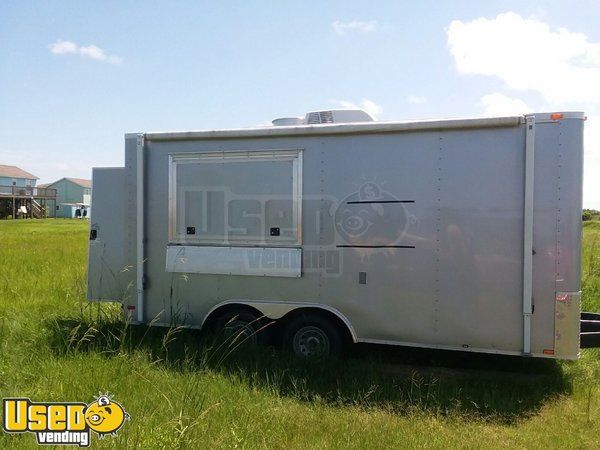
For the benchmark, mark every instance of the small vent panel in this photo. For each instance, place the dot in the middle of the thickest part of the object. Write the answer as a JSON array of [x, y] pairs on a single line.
[[320, 117]]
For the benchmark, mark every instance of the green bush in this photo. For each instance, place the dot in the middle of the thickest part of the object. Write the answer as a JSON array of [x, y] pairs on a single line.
[[590, 214]]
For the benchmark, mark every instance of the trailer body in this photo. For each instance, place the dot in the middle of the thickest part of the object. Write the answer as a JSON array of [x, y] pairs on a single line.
[[460, 234]]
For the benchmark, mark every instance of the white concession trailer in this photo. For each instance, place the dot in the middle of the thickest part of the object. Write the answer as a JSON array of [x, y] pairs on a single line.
[[460, 234]]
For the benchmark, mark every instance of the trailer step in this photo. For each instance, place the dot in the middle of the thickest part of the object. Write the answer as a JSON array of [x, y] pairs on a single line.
[[589, 326], [589, 330], [590, 316], [589, 340]]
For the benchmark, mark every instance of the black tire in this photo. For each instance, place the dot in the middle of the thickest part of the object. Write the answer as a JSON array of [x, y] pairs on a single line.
[[242, 326], [312, 336]]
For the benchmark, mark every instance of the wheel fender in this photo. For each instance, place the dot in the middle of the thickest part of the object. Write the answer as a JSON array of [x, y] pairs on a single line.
[[276, 310]]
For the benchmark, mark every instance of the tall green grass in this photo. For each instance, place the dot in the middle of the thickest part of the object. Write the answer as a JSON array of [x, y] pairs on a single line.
[[183, 392], [590, 276]]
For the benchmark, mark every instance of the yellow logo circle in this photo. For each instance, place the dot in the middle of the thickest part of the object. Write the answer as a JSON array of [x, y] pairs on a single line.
[[105, 416]]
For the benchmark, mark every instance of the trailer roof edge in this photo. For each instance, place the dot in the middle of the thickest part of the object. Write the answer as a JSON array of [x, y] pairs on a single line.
[[332, 129]]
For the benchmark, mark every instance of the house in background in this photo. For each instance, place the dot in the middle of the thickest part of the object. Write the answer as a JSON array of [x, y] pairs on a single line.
[[13, 176], [21, 198], [73, 198]]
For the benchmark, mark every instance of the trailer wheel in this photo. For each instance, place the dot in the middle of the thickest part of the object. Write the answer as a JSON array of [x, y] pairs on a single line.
[[311, 336], [241, 325]]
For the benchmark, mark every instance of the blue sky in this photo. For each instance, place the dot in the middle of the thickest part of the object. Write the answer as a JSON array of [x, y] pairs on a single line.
[[75, 75]]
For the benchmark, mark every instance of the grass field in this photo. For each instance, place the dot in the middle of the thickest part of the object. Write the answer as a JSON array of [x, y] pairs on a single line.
[[182, 394]]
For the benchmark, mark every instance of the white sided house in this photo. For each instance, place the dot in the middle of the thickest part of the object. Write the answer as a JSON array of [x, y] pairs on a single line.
[[461, 234]]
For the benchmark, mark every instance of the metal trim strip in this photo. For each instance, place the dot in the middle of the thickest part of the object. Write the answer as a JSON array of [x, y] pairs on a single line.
[[528, 233], [329, 129]]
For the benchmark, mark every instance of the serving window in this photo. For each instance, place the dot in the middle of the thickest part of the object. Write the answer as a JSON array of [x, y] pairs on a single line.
[[236, 198]]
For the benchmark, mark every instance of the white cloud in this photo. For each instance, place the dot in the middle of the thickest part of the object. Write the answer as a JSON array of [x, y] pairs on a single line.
[[591, 165], [527, 55], [497, 104], [63, 47], [342, 28], [368, 105], [416, 99], [91, 51]]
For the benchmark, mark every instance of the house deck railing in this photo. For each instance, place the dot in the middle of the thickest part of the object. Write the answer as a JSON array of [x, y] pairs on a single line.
[[27, 191]]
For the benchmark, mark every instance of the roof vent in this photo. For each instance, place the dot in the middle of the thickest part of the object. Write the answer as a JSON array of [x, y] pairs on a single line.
[[325, 117], [288, 121], [313, 118]]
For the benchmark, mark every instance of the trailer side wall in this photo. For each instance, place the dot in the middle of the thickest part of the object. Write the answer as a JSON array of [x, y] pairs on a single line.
[[437, 263]]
